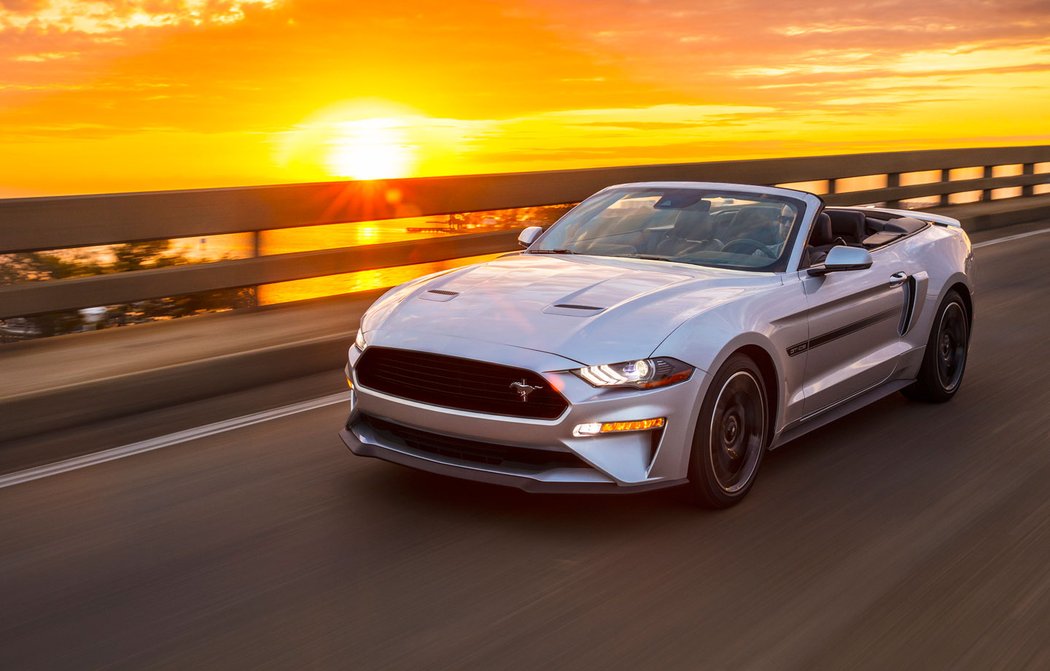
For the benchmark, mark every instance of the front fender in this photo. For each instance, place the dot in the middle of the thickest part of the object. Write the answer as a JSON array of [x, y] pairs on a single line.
[[771, 322]]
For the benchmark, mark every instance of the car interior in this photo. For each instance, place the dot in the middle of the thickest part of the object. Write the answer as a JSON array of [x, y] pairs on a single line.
[[711, 229], [855, 228], [756, 230]]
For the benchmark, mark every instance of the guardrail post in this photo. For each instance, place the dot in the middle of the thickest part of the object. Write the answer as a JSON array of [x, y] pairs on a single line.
[[1028, 189], [832, 184], [986, 194], [946, 176], [256, 253], [893, 180]]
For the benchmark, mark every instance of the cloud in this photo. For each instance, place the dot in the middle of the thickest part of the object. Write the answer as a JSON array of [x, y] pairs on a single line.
[[94, 17], [22, 5], [689, 42], [44, 56], [497, 86]]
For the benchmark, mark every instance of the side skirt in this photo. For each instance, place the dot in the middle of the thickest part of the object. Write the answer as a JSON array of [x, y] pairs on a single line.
[[829, 415]]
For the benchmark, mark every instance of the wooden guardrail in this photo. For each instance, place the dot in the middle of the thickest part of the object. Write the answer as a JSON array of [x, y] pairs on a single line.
[[35, 224]]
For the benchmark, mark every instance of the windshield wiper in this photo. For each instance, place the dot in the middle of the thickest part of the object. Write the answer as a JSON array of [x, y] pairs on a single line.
[[647, 257], [551, 251]]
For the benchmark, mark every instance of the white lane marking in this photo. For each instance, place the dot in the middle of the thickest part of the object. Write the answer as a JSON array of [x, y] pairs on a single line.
[[241, 422], [151, 444], [1008, 238]]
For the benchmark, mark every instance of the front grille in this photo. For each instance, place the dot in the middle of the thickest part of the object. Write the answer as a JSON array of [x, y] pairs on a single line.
[[452, 382], [470, 450]]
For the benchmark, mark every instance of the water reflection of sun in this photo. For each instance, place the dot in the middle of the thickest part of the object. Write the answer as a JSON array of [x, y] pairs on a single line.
[[375, 148]]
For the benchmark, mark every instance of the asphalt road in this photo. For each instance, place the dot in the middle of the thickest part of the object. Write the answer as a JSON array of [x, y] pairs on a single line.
[[905, 536]]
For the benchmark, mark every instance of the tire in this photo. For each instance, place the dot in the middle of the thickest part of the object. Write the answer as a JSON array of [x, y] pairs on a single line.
[[944, 361], [731, 435]]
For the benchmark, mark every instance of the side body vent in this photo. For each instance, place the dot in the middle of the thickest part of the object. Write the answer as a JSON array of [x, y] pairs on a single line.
[[914, 299]]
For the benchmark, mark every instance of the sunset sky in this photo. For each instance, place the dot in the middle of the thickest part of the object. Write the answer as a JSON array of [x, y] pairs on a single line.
[[158, 94]]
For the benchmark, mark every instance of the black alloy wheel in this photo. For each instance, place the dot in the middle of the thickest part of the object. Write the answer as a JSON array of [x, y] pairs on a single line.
[[944, 361], [731, 435]]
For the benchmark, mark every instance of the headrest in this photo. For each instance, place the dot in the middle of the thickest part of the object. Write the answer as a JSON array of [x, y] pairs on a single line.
[[692, 223], [757, 223], [848, 224], [821, 234], [756, 215]]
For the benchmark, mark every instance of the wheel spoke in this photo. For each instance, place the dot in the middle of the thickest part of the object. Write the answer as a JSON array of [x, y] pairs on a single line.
[[951, 346], [737, 431]]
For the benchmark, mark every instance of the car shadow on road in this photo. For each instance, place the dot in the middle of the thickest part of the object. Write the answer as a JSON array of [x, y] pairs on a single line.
[[804, 474], [455, 500]]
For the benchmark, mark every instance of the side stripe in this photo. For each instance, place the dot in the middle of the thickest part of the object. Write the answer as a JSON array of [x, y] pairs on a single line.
[[842, 332]]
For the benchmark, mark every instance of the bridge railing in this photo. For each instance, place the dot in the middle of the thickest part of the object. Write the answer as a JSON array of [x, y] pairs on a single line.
[[53, 223]]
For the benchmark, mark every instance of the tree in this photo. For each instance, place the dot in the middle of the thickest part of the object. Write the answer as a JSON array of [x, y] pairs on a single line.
[[132, 256]]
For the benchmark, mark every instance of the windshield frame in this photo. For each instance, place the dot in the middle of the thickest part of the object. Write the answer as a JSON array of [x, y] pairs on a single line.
[[797, 199]]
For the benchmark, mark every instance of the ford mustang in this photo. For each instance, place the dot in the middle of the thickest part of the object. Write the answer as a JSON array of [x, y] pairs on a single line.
[[661, 334]]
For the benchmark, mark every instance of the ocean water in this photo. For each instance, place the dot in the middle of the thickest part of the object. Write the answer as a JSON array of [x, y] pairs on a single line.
[[332, 236]]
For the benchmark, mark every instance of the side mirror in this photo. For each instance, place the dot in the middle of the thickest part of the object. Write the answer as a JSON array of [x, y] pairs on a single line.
[[843, 258], [529, 235]]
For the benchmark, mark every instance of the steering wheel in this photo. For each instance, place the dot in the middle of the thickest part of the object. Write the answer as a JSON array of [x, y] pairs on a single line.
[[699, 246], [749, 247]]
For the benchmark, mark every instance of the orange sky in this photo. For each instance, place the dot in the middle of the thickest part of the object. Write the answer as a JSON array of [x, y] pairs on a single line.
[[154, 94]]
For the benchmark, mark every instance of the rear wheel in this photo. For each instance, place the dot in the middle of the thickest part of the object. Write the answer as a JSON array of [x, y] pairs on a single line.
[[730, 436], [944, 362]]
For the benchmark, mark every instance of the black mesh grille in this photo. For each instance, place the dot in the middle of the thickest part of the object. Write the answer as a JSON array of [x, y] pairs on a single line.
[[452, 382], [471, 451]]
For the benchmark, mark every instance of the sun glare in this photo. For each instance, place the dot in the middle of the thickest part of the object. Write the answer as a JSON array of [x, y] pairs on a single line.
[[370, 149]]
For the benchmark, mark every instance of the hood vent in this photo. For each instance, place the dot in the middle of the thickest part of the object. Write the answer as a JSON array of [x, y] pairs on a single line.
[[572, 309], [439, 295], [577, 307]]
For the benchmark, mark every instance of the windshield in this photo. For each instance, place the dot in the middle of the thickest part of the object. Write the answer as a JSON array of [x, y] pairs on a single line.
[[745, 231]]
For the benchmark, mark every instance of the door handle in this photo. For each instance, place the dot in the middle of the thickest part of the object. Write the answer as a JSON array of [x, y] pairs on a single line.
[[897, 279]]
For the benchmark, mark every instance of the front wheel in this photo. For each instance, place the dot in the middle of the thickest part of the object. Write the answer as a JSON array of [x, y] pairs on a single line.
[[944, 361], [730, 436]]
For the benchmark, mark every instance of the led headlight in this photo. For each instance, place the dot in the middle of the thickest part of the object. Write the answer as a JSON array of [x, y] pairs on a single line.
[[640, 374], [359, 341]]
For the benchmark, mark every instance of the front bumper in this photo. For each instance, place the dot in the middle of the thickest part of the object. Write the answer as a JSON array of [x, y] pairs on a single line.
[[561, 481], [625, 462]]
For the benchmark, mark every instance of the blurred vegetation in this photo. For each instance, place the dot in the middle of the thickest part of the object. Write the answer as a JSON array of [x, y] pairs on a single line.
[[43, 266], [132, 256], [542, 215]]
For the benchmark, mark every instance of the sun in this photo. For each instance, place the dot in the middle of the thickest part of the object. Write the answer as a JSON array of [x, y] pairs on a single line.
[[373, 139], [376, 148]]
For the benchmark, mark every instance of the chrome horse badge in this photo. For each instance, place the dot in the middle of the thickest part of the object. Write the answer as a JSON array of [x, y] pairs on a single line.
[[523, 389]]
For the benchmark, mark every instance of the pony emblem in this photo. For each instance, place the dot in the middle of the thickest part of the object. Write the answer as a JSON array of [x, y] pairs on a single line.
[[523, 389]]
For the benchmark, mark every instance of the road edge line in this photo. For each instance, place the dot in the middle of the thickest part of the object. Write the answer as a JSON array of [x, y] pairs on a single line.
[[177, 438]]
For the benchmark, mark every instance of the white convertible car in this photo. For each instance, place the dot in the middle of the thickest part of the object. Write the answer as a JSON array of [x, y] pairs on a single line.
[[661, 334]]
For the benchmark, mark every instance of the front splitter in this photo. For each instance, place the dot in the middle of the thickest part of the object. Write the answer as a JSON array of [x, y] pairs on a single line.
[[469, 472]]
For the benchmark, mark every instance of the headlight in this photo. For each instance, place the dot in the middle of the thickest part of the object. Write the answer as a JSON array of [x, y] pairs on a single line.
[[359, 341], [641, 374]]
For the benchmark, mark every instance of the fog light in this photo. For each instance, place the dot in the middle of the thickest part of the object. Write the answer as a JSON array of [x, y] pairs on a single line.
[[597, 428]]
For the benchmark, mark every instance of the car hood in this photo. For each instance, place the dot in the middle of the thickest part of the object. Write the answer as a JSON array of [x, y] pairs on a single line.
[[585, 308]]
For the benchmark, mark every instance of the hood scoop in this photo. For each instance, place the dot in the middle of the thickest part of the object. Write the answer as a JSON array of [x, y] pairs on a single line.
[[572, 310], [596, 297], [438, 295]]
